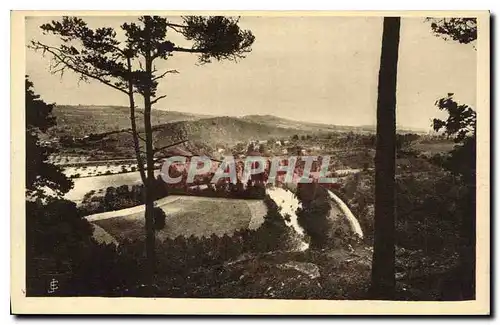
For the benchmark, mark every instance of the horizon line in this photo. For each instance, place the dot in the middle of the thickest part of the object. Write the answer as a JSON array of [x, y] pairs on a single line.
[[400, 127]]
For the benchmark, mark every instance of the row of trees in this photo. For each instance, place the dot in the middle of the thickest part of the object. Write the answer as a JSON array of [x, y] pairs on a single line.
[[122, 197]]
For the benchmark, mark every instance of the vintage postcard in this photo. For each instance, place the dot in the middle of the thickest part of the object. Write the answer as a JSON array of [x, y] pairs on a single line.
[[250, 162]]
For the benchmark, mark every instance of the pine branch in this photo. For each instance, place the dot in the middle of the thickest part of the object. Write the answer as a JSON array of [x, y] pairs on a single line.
[[68, 62], [158, 159], [176, 27], [182, 49]]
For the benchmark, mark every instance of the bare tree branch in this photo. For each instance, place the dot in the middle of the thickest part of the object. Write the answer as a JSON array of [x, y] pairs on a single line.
[[155, 150], [164, 74], [182, 49], [66, 61], [176, 27], [157, 99], [157, 159], [138, 136]]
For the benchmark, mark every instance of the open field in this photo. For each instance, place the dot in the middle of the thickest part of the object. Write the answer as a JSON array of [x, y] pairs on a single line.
[[186, 216]]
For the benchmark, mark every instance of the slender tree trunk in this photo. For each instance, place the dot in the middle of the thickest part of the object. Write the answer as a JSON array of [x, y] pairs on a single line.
[[135, 135], [383, 278], [149, 195]]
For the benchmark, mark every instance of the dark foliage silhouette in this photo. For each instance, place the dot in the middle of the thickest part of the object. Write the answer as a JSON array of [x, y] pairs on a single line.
[[461, 125], [39, 173], [462, 30]]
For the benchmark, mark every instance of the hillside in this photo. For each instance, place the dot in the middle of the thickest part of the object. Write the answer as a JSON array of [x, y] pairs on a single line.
[[305, 126], [203, 134], [81, 120], [320, 127], [222, 130], [110, 124]]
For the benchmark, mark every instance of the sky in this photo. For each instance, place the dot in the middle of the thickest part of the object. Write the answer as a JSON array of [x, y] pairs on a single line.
[[315, 69]]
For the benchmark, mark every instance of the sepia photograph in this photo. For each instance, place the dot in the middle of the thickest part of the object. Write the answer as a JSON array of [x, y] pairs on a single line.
[[255, 162]]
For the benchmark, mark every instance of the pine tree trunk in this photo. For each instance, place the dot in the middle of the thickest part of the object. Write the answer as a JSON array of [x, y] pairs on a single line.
[[383, 269], [149, 186], [135, 135]]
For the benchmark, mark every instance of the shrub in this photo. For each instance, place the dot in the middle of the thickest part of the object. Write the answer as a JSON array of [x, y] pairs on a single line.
[[314, 215], [159, 218], [88, 196], [429, 211], [57, 237]]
